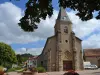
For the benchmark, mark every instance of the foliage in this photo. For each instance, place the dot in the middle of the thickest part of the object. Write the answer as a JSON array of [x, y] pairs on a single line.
[[7, 65], [33, 69], [19, 58], [39, 65], [26, 55], [13, 69], [22, 57], [20, 70], [41, 69], [7, 55], [39, 9]]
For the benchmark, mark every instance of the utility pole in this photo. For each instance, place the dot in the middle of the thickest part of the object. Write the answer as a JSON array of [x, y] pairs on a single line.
[[26, 50]]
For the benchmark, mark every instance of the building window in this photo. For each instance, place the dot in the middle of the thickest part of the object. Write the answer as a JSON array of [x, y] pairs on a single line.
[[42, 63], [66, 41], [66, 29]]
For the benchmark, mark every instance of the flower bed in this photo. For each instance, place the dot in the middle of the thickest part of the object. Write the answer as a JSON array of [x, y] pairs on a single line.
[[1, 70], [71, 72]]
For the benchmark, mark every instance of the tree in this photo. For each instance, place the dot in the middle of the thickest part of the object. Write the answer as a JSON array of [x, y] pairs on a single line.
[[23, 57], [7, 55], [37, 9], [26, 56], [19, 59]]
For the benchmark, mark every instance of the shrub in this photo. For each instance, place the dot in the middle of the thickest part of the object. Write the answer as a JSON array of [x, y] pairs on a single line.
[[41, 69], [17, 68], [19, 71], [13, 69], [7, 65], [33, 69], [25, 69]]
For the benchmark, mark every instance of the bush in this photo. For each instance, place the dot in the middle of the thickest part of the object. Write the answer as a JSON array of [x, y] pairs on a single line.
[[19, 71], [33, 69], [41, 69], [7, 65], [13, 69]]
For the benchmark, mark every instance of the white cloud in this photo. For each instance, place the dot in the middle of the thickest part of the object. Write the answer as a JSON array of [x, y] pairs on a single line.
[[92, 42], [33, 51], [10, 32], [83, 28]]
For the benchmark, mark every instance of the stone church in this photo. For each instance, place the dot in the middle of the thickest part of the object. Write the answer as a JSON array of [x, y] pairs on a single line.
[[63, 50]]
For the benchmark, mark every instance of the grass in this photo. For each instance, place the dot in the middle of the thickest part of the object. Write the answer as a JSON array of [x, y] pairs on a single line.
[[14, 69]]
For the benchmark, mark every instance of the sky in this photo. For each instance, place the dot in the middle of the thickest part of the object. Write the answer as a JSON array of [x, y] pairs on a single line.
[[12, 34]]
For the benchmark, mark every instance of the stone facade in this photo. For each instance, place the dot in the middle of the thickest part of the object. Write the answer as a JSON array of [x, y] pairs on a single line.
[[63, 51]]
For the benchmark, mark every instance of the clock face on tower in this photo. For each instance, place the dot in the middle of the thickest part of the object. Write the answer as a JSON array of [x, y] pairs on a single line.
[[64, 18]]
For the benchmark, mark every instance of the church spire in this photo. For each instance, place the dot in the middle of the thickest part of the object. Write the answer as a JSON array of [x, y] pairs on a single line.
[[63, 15]]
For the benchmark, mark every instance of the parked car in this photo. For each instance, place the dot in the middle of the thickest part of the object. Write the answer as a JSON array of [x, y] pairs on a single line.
[[87, 66], [90, 67], [94, 67]]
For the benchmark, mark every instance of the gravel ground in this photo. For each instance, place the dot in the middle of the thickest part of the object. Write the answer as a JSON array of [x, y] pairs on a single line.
[[85, 72]]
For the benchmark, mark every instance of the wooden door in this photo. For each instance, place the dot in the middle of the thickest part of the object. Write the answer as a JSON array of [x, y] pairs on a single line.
[[67, 65]]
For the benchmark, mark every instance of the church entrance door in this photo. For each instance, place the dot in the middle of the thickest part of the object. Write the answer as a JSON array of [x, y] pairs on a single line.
[[67, 65]]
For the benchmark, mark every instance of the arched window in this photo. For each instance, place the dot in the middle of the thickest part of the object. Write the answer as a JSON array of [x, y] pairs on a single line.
[[66, 29]]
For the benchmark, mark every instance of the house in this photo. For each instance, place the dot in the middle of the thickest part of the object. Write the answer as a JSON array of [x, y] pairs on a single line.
[[32, 62], [63, 50], [14, 65], [92, 55]]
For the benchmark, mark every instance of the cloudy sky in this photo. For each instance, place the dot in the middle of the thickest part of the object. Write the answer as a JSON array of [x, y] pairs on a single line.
[[12, 34]]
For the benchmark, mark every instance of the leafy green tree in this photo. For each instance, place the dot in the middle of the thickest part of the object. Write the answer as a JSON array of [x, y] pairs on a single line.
[[23, 57], [19, 59], [26, 56], [7, 55], [39, 9]]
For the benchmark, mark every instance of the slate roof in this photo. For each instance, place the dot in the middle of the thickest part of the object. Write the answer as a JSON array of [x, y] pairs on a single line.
[[62, 14]]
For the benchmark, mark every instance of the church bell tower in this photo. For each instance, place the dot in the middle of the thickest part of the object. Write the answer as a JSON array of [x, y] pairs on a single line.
[[63, 29]]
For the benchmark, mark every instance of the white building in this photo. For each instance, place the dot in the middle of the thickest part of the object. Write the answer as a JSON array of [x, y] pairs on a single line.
[[32, 62]]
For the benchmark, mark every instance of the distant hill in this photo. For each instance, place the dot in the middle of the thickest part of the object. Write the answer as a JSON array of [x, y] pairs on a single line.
[[26, 55], [23, 57]]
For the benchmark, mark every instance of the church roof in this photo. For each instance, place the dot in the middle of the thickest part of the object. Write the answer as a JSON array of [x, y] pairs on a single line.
[[63, 15], [47, 42], [78, 38], [92, 52]]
